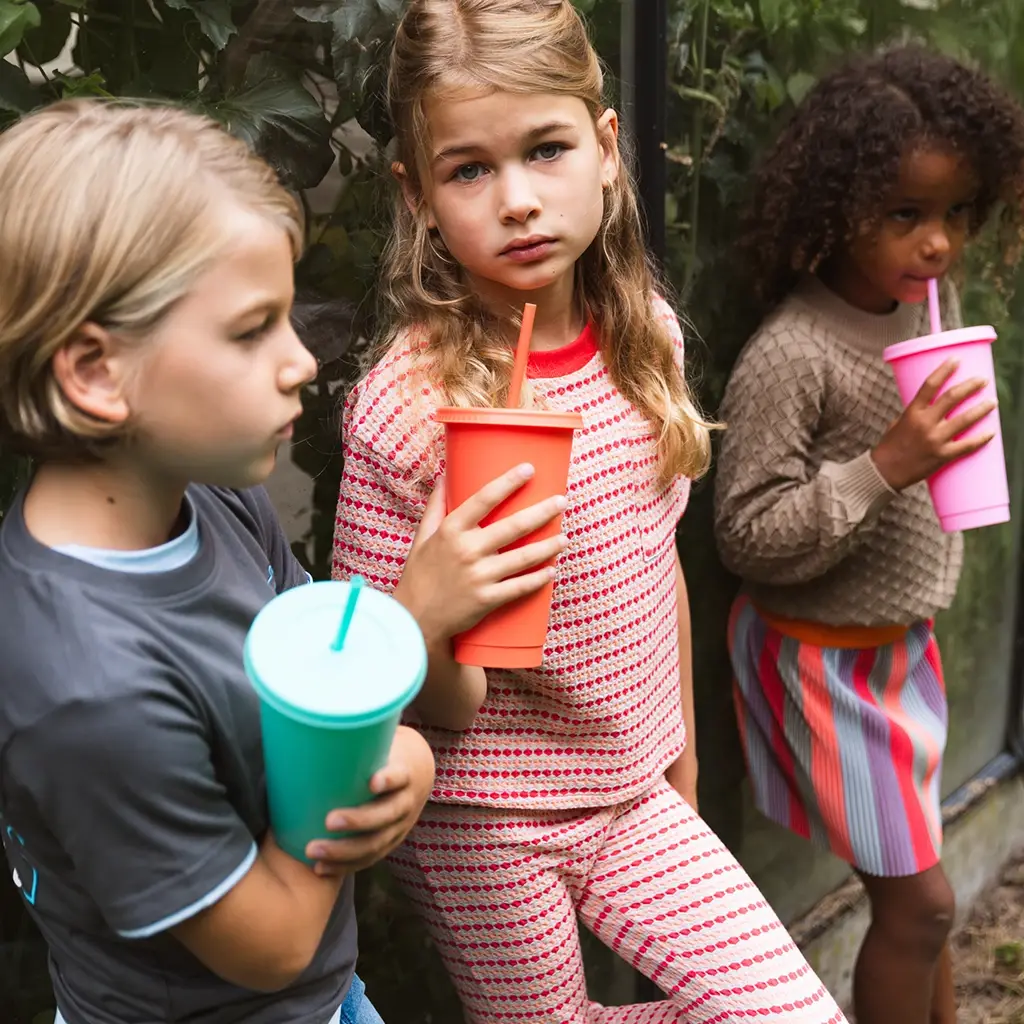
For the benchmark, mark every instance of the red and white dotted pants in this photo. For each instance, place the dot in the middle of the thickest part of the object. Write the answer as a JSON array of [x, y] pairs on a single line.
[[500, 892]]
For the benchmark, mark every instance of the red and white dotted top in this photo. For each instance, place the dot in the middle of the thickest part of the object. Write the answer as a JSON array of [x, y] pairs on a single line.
[[601, 719]]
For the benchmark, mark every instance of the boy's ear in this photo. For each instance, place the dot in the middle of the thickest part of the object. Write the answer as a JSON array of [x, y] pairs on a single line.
[[91, 369], [414, 201]]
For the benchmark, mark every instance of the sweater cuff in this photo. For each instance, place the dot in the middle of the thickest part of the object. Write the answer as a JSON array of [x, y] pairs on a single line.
[[859, 486]]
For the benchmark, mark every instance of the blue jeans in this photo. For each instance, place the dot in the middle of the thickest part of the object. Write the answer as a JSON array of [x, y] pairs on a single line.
[[356, 1009]]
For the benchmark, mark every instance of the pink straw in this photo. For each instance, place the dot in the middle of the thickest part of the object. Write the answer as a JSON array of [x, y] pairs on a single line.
[[934, 312], [522, 356]]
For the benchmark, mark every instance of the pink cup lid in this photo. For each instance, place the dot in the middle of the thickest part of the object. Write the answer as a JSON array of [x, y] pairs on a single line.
[[510, 417], [947, 339]]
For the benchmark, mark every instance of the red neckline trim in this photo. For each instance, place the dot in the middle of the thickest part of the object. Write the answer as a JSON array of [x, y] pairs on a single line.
[[558, 362]]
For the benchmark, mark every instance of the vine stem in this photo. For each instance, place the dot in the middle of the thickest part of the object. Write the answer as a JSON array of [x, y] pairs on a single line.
[[697, 144], [32, 60]]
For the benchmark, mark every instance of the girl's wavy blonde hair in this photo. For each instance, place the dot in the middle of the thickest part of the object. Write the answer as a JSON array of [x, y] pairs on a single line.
[[108, 215], [523, 46]]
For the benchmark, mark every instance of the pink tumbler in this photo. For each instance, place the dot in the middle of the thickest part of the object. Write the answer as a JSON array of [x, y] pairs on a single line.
[[972, 491]]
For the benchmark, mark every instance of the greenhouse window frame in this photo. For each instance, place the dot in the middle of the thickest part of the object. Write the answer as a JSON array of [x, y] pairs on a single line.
[[648, 22]]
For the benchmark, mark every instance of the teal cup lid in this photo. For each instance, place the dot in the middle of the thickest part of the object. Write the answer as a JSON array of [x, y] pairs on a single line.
[[291, 662]]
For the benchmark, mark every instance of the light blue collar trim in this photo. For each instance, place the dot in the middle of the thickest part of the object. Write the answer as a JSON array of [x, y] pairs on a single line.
[[172, 555]]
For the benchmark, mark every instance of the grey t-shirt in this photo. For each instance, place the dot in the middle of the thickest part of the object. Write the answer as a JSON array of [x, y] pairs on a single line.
[[131, 774]]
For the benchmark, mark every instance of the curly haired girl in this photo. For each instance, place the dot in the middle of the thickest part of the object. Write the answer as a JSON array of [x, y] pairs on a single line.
[[889, 167]]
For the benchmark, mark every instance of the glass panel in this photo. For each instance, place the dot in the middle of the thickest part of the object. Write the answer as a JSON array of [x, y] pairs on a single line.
[[733, 85], [977, 633], [977, 636]]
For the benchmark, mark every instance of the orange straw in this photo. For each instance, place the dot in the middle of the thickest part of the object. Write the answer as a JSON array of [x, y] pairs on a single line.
[[522, 355]]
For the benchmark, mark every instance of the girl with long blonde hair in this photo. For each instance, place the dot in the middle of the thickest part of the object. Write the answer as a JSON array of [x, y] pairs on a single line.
[[568, 790]]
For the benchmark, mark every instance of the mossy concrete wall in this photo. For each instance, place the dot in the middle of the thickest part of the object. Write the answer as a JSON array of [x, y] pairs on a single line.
[[977, 846]]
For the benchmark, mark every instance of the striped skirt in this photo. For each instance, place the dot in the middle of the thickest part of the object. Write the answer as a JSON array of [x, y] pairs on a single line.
[[844, 744]]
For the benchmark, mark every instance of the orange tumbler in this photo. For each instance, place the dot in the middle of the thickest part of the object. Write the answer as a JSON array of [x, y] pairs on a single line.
[[481, 444]]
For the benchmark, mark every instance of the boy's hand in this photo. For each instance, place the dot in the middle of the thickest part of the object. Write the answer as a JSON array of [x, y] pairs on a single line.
[[402, 787], [457, 571], [923, 440]]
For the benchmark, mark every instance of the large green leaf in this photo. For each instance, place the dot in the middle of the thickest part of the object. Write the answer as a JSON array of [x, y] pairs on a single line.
[[280, 120], [17, 95], [350, 20], [214, 17], [46, 43], [360, 30], [798, 85], [356, 22], [16, 18], [320, 13], [72, 86], [772, 12], [148, 56]]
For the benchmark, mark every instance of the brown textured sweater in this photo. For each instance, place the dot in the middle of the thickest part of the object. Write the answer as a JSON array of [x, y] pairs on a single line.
[[802, 514]]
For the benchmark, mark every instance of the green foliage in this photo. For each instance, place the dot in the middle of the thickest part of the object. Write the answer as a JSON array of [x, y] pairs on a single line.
[[300, 80], [16, 18], [214, 17], [279, 118], [12, 475], [738, 67]]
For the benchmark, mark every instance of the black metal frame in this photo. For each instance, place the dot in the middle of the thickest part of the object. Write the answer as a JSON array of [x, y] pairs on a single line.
[[650, 64], [648, 108], [1015, 733]]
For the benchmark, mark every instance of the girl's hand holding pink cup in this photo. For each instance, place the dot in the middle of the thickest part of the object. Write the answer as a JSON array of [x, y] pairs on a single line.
[[927, 436], [960, 452]]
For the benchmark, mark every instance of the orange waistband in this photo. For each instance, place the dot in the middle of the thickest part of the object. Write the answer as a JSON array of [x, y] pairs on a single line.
[[818, 634]]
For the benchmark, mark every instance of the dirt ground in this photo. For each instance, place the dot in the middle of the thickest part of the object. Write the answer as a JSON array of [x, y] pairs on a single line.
[[988, 953]]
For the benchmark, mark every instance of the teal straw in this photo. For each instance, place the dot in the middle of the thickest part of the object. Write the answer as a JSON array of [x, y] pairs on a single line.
[[355, 585]]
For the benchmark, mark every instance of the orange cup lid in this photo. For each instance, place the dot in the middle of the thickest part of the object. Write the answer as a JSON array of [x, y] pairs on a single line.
[[510, 417]]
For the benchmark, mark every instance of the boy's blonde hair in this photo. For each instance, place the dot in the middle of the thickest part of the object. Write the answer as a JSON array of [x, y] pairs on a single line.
[[524, 46], [107, 216]]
